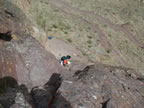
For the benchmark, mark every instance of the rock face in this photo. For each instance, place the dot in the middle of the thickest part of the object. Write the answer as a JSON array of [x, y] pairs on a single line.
[[102, 87], [27, 61], [96, 86], [21, 56]]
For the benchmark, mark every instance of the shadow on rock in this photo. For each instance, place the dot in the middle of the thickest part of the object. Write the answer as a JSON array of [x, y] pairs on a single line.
[[14, 96], [5, 36], [46, 96], [60, 102], [7, 82], [7, 91]]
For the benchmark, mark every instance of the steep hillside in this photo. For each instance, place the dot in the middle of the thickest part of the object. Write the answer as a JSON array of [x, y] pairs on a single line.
[[91, 32], [110, 32]]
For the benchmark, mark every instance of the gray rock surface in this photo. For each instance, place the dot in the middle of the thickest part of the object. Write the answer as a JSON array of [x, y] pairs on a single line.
[[27, 61]]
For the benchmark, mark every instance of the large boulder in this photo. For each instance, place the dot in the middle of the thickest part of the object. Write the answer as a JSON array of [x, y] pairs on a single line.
[[27, 61], [21, 56], [100, 86]]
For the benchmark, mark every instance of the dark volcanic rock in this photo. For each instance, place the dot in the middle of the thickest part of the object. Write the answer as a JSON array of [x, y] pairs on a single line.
[[102, 87]]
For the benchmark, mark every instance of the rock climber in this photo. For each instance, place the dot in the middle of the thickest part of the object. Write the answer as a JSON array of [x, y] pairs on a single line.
[[64, 60]]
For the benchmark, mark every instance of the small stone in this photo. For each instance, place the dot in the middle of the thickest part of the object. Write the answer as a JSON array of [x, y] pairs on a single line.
[[74, 54], [122, 96], [94, 97], [81, 105], [70, 82], [134, 76]]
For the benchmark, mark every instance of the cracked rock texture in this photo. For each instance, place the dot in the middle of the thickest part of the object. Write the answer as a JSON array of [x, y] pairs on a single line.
[[101, 86], [96, 86]]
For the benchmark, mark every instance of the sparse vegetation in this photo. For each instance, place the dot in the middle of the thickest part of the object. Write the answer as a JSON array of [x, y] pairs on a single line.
[[126, 14]]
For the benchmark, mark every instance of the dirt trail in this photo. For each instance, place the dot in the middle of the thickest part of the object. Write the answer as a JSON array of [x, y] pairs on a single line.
[[94, 27], [101, 19]]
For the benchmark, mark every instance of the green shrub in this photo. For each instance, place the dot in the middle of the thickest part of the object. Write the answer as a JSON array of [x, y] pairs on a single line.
[[89, 41]]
